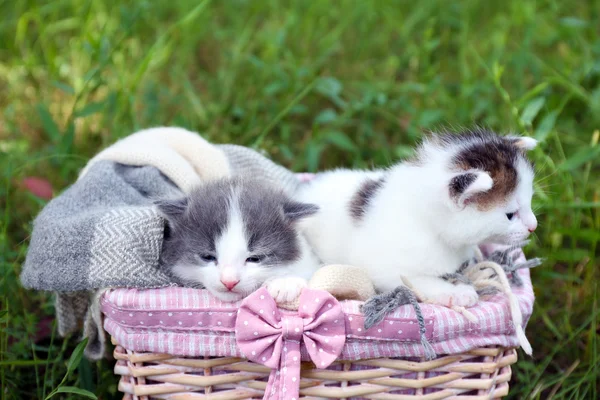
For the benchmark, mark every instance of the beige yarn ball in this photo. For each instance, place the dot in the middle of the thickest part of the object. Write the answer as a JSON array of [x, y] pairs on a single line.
[[344, 282]]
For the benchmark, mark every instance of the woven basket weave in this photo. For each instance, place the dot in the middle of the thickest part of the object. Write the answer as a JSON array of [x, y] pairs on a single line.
[[481, 373], [183, 343]]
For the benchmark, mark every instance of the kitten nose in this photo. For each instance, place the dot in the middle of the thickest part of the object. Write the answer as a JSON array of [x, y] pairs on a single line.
[[229, 284], [530, 221], [531, 227]]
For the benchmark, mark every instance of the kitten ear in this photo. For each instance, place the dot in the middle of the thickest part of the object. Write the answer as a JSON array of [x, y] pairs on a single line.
[[171, 209], [295, 211], [523, 142], [464, 186]]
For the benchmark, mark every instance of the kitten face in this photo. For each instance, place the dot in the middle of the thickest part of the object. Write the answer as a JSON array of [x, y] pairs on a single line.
[[490, 186], [513, 220], [231, 235], [509, 221]]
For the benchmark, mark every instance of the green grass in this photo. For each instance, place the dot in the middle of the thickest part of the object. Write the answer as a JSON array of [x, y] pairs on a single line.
[[316, 84]]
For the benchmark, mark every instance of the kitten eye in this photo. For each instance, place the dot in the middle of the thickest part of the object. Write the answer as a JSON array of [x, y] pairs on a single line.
[[208, 258], [510, 215], [254, 259]]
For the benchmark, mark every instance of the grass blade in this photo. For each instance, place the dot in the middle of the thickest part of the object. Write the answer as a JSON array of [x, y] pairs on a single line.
[[283, 113], [531, 110], [76, 356], [77, 391], [48, 123], [578, 159]]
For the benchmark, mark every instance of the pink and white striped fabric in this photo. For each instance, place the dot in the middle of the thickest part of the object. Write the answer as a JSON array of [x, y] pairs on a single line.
[[192, 323]]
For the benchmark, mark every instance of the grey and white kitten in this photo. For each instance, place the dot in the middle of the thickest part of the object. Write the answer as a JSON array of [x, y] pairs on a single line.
[[233, 235]]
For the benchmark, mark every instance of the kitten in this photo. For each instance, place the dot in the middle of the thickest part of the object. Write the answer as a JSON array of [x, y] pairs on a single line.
[[231, 236], [423, 218]]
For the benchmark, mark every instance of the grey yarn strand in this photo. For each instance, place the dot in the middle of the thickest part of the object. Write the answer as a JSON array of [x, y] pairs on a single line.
[[507, 259], [427, 347], [377, 307]]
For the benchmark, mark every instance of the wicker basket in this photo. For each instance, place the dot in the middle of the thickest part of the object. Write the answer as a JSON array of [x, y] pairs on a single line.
[[478, 374], [182, 343]]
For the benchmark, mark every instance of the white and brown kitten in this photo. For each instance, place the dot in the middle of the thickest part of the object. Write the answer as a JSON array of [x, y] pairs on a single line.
[[231, 236], [423, 218]]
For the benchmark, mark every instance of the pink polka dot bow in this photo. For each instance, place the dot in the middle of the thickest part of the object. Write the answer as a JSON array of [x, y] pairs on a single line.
[[273, 337]]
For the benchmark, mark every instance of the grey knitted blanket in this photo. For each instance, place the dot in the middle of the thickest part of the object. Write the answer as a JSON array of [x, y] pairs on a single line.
[[104, 232]]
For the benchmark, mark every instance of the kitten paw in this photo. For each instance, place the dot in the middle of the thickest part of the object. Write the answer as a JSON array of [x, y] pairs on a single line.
[[286, 289], [460, 295]]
